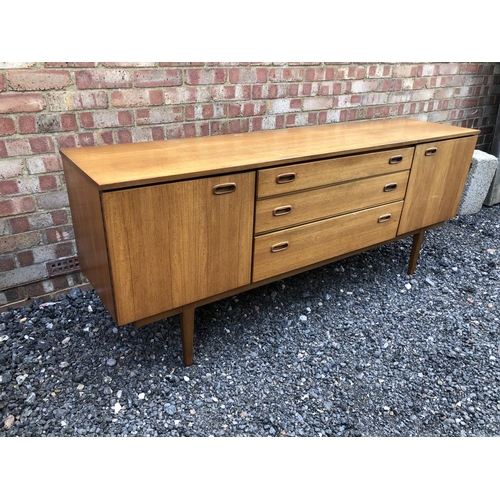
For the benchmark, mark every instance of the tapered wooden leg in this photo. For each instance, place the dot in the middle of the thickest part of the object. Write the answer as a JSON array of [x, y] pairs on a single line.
[[187, 332], [418, 238]]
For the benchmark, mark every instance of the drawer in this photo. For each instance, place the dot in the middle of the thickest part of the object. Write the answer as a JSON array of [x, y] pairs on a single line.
[[305, 206], [289, 249], [299, 176]]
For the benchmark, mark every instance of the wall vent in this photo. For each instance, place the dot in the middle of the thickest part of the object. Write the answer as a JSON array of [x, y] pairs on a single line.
[[63, 266]]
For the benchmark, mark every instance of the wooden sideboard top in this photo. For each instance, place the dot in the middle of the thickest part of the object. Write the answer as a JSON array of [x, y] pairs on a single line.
[[129, 165]]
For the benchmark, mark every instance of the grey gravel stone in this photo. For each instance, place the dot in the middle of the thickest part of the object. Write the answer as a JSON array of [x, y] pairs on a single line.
[[373, 358]]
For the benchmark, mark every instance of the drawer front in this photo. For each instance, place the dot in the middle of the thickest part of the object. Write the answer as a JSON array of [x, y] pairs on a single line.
[[289, 249], [279, 180], [305, 206]]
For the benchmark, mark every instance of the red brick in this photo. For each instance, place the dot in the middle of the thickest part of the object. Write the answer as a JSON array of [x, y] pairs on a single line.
[[27, 124], [65, 249], [68, 122], [7, 126], [35, 289], [175, 132], [56, 235], [61, 282], [7, 263], [205, 76], [38, 80], [21, 241], [124, 136], [59, 217], [82, 100], [469, 103], [103, 79], [419, 83], [9, 187], [15, 294], [66, 141], [41, 145], [221, 127], [315, 74], [106, 119], [25, 258], [469, 68], [52, 163], [105, 138], [137, 97], [21, 103], [224, 92], [256, 123], [158, 78], [3, 85], [76, 140], [87, 120], [163, 114], [48, 182], [199, 129], [42, 164], [286, 75]]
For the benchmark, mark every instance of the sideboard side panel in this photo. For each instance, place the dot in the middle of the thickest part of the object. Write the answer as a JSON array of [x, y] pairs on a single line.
[[86, 213]]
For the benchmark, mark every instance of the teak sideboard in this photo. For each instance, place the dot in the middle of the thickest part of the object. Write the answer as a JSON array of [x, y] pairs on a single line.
[[164, 227]]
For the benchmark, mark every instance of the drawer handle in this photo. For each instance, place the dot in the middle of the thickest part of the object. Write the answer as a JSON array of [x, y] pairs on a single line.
[[431, 151], [282, 210], [279, 247], [395, 159], [284, 178], [229, 187], [390, 187], [384, 218]]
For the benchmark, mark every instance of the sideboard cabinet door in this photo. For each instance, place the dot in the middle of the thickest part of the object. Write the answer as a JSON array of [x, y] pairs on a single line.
[[437, 179], [173, 244]]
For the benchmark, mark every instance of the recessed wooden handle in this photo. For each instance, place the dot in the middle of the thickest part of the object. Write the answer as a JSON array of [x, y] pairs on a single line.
[[390, 187], [431, 151], [284, 178], [384, 218], [278, 247], [229, 187], [282, 210], [395, 159]]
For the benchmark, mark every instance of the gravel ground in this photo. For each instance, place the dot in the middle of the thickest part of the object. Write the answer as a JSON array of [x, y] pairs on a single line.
[[356, 348]]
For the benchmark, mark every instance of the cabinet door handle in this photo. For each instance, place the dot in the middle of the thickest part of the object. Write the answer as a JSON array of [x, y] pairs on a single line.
[[282, 210], [384, 218], [431, 151], [395, 159], [229, 187], [390, 187], [284, 178], [279, 247]]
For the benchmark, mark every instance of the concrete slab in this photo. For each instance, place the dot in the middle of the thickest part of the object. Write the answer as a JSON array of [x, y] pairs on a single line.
[[481, 173]]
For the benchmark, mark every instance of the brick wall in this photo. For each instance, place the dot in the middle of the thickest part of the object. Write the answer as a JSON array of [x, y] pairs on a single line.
[[47, 106]]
